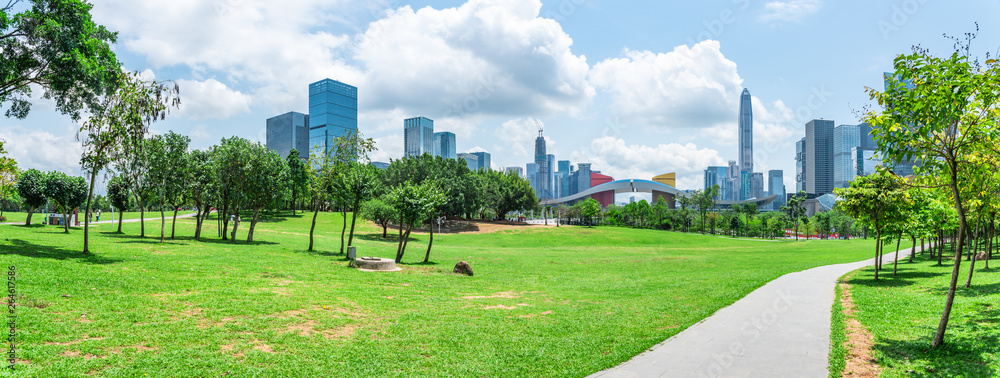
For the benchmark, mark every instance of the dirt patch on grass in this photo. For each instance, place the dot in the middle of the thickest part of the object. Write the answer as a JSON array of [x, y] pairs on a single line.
[[261, 346], [75, 353], [85, 338], [529, 316], [138, 348], [859, 341], [502, 294], [499, 307], [340, 332]]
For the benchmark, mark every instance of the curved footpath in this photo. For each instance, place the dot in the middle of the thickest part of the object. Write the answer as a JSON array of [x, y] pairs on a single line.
[[781, 329]]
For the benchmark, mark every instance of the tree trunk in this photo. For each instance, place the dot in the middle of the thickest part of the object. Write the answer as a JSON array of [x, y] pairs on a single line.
[[173, 226], [404, 238], [253, 223], [142, 219], [225, 220], [943, 325], [430, 243], [913, 251], [312, 230], [895, 261], [354, 218], [343, 231], [236, 224], [121, 212], [31, 210], [198, 220], [878, 257], [163, 222], [86, 219], [385, 230]]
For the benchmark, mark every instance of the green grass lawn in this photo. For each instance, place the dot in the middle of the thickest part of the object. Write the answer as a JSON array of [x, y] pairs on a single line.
[[38, 218], [902, 314], [565, 301]]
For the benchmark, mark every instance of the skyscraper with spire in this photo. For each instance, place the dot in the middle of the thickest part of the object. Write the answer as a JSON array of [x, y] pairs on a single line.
[[542, 160], [746, 132]]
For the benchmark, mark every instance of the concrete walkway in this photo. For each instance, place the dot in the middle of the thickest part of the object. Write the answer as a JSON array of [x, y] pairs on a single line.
[[779, 330]]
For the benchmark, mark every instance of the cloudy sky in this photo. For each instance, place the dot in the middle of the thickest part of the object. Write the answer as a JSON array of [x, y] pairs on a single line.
[[636, 88]]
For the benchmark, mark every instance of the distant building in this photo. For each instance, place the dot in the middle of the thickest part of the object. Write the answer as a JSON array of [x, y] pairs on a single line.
[[444, 145], [333, 113], [542, 160], [733, 194], [846, 138], [380, 165], [418, 136], [800, 165], [550, 163], [717, 175], [517, 170], [483, 159], [864, 160], [472, 161], [563, 177], [776, 187], [746, 131], [819, 157], [757, 185], [604, 198], [669, 179], [531, 172], [288, 131], [579, 180]]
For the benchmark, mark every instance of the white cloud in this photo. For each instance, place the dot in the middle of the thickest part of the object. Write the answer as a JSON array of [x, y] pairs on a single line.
[[211, 99], [389, 147], [612, 156], [519, 135], [687, 87], [483, 57], [42, 150], [792, 10]]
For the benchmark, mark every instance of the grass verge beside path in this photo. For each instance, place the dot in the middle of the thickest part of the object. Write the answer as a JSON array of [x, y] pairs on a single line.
[[544, 302], [902, 314]]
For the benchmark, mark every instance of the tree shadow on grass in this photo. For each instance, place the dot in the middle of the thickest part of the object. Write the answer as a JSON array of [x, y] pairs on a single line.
[[969, 343], [150, 239], [903, 277], [377, 237], [28, 249]]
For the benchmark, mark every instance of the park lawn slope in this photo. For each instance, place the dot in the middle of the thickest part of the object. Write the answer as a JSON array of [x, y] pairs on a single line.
[[564, 301], [902, 314]]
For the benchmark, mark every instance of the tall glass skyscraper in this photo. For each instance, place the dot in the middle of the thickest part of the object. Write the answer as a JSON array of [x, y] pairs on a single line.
[[418, 136], [846, 138], [717, 175], [550, 163], [444, 145], [819, 157], [484, 160], [746, 132], [333, 113], [776, 187], [541, 159], [288, 131]]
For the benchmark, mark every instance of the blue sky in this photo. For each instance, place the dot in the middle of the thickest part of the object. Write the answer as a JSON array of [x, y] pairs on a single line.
[[637, 88]]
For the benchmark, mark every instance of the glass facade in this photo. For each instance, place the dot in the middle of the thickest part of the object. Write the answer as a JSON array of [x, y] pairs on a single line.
[[819, 157], [746, 132], [444, 145], [717, 175], [845, 139], [333, 113], [776, 187], [418, 136], [483, 160], [531, 172], [288, 131], [800, 165], [756, 185], [516, 170], [470, 160]]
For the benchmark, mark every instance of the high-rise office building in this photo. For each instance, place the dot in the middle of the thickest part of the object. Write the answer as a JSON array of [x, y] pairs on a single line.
[[516, 170], [746, 132], [864, 160], [733, 181], [717, 175], [776, 187], [582, 177], [819, 157], [483, 160], [846, 138], [444, 145], [472, 161], [333, 113], [563, 177], [288, 131], [550, 163], [800, 165], [531, 172], [418, 136], [541, 158], [757, 185], [746, 185]]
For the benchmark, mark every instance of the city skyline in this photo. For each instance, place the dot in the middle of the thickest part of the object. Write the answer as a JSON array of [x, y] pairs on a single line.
[[612, 98]]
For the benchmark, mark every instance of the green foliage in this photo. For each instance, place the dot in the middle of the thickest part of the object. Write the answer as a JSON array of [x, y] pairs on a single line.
[[67, 192], [55, 44], [413, 204], [118, 193], [31, 188], [8, 174], [589, 209], [378, 210], [298, 176]]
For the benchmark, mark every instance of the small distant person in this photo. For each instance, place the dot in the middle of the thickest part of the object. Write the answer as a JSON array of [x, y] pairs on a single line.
[[98, 215]]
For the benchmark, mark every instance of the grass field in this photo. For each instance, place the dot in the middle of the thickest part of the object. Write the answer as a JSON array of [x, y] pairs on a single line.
[[105, 216], [902, 314], [565, 301]]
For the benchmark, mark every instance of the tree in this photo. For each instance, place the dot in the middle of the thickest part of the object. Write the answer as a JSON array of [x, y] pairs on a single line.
[[229, 164], [266, 172], [134, 165], [796, 209], [8, 176], [67, 192], [118, 194], [413, 203], [31, 188], [55, 45], [168, 169], [877, 201], [200, 186], [122, 117], [361, 183], [589, 209], [941, 111], [705, 201], [298, 177], [379, 211]]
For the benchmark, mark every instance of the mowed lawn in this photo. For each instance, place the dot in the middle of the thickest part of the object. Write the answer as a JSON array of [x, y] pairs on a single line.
[[564, 301], [902, 314], [14, 217]]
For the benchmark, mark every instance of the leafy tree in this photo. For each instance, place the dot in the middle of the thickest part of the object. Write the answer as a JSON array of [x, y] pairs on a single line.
[[876, 201], [200, 186], [323, 174], [8, 176], [796, 209], [266, 172], [413, 203], [134, 166], [168, 170], [56, 45], [379, 211], [229, 164], [589, 209], [941, 111], [298, 177], [31, 188], [705, 201], [118, 194], [66, 192]]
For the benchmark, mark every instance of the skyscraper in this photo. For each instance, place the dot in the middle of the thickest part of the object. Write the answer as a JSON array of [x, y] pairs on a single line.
[[717, 175], [800, 165], [541, 159], [564, 171], [444, 145], [846, 138], [756, 185], [746, 132], [531, 172], [472, 161], [819, 157], [288, 131], [333, 113], [516, 170], [418, 136], [733, 180], [776, 187], [550, 163], [483, 158]]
